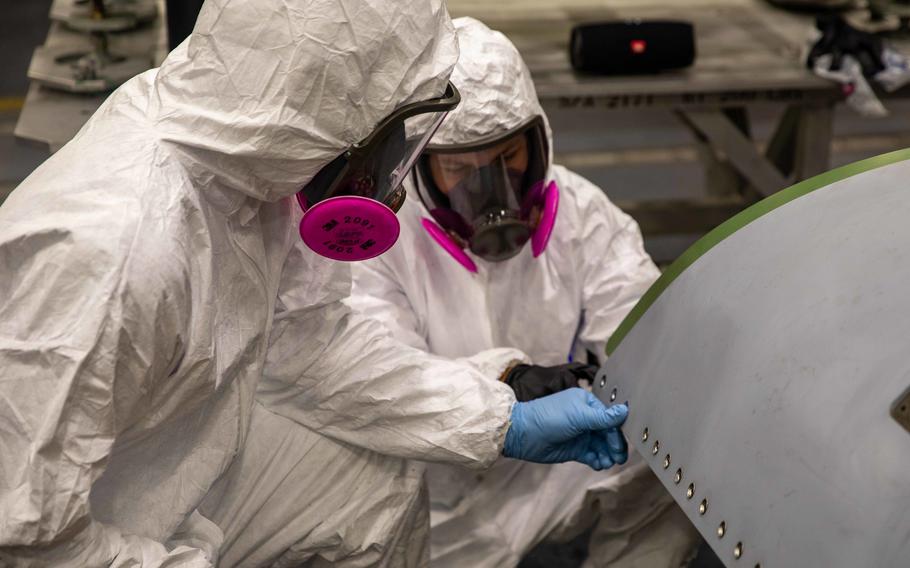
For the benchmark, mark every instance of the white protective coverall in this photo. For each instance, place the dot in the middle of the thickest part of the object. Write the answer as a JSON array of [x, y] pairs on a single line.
[[569, 300], [151, 274]]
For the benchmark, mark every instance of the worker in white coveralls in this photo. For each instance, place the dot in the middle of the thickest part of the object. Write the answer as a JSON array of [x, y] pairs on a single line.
[[502, 248], [180, 382]]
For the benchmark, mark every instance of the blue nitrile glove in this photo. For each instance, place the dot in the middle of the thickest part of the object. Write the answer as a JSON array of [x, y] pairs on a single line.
[[572, 425]]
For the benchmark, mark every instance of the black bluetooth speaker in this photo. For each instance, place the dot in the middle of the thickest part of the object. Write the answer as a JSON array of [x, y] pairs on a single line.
[[632, 47]]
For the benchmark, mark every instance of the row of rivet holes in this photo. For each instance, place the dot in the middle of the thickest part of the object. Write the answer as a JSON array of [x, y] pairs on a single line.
[[677, 478]]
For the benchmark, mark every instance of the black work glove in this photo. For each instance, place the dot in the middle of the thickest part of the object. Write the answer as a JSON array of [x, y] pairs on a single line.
[[533, 381], [840, 39]]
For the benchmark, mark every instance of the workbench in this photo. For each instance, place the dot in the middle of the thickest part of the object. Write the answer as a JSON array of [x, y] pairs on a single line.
[[748, 54]]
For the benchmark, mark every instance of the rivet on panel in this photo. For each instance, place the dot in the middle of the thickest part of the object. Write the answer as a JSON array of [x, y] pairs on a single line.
[[667, 461], [678, 477], [656, 447], [703, 507], [690, 491], [721, 529], [738, 550], [644, 435], [613, 395]]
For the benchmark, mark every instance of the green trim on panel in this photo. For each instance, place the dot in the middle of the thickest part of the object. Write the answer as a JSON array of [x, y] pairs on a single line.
[[739, 221]]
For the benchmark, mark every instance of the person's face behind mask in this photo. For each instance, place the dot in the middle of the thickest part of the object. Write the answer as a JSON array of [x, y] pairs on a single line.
[[490, 196], [449, 170], [488, 183]]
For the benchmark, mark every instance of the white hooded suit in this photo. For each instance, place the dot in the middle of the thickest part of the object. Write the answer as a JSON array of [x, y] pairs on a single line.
[[152, 279], [553, 308]]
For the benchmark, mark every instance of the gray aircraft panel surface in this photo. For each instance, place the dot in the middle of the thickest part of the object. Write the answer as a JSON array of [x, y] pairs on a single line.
[[766, 375]]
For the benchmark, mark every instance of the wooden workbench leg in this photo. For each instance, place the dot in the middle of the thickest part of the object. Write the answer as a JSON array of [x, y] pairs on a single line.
[[801, 145], [721, 178], [813, 140], [725, 138], [781, 149]]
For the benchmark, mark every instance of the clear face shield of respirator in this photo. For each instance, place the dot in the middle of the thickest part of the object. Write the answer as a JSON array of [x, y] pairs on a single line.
[[490, 197]]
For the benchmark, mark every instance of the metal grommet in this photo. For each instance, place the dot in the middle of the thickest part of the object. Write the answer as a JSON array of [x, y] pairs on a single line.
[[703, 507], [690, 491], [678, 477], [613, 395], [667, 461], [603, 382], [656, 447], [738, 550], [722, 529], [644, 435]]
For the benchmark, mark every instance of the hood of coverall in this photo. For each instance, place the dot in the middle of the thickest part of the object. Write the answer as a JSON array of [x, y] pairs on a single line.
[[497, 93], [263, 94]]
